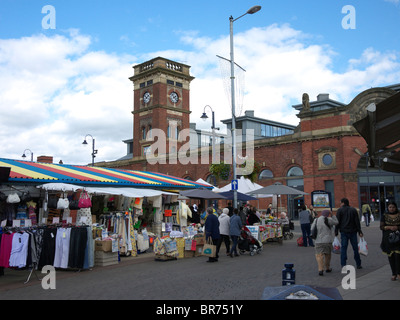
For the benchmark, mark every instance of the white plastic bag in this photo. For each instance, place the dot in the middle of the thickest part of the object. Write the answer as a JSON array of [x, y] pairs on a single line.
[[336, 245], [363, 247]]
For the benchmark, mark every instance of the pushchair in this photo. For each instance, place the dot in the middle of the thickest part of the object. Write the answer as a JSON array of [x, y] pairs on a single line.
[[247, 243], [287, 230]]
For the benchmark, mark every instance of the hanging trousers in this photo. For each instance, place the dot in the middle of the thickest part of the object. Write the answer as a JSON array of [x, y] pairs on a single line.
[[77, 247], [48, 247]]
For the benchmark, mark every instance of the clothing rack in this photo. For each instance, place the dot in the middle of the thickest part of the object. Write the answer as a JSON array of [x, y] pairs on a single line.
[[84, 258]]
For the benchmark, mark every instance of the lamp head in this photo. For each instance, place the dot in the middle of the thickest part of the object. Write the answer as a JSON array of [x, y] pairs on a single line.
[[254, 9], [84, 142], [24, 156], [204, 116]]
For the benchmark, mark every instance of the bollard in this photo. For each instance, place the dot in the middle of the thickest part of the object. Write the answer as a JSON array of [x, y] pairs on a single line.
[[288, 275]]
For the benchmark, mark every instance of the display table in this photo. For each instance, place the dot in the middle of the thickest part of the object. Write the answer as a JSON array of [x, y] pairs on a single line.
[[270, 231]]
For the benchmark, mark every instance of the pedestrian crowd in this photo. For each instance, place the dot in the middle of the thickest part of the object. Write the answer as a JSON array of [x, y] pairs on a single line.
[[318, 231], [226, 227], [322, 233]]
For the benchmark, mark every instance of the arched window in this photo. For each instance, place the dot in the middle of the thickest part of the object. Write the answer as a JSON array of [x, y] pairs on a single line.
[[296, 173], [266, 174], [143, 133]]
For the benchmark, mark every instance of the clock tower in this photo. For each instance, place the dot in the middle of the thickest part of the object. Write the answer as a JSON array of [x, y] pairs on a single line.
[[161, 90]]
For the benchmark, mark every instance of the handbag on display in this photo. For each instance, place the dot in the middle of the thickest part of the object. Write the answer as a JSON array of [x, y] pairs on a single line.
[[74, 205], [3, 197], [13, 198], [84, 200], [62, 203], [394, 237], [52, 202]]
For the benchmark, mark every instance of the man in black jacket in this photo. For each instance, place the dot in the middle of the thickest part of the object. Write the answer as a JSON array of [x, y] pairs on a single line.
[[349, 225]]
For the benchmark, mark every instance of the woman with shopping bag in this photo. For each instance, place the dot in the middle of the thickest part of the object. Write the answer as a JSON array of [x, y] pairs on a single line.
[[323, 240], [211, 228]]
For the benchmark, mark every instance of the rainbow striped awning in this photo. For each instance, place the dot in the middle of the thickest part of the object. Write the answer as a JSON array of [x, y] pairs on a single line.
[[37, 172]]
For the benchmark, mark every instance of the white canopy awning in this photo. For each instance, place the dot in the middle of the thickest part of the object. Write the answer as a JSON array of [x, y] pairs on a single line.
[[246, 186], [126, 192]]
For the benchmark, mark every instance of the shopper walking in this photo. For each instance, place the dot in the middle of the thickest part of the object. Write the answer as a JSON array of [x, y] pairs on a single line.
[[366, 212], [234, 231], [323, 242], [390, 223], [305, 224], [224, 222], [211, 228], [349, 225]]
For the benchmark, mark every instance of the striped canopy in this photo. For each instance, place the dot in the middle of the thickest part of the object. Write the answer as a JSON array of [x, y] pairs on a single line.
[[37, 172]]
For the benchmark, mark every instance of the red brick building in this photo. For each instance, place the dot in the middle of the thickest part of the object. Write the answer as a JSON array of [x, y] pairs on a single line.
[[324, 152]]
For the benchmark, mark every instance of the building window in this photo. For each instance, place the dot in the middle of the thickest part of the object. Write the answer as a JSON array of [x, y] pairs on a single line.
[[330, 188], [296, 175], [146, 150], [295, 172], [143, 133], [266, 174], [327, 159], [273, 131]]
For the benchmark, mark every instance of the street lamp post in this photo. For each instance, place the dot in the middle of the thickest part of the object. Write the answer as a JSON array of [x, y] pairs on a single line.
[[24, 156], [94, 152], [232, 20], [213, 128]]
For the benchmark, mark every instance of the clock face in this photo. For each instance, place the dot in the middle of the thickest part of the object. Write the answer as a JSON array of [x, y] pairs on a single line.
[[146, 97], [174, 97]]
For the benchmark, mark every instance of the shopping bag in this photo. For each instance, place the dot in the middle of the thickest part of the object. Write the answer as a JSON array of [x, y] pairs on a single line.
[[300, 241], [362, 247], [209, 249], [336, 245], [314, 230], [193, 247]]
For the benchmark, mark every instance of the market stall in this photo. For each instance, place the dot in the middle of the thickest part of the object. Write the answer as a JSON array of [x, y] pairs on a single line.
[[90, 216]]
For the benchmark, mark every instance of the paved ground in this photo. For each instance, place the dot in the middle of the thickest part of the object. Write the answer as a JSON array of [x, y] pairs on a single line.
[[234, 279]]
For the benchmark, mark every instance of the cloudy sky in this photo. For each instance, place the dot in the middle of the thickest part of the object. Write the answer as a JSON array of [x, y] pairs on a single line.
[[64, 69]]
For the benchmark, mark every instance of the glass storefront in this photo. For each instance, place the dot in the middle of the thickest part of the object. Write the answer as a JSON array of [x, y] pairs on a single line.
[[377, 187]]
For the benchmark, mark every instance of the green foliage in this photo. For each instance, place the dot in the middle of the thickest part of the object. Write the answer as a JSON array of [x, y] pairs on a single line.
[[220, 170]]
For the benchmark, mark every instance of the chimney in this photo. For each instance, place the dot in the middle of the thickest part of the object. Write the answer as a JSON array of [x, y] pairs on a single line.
[[45, 159], [249, 113]]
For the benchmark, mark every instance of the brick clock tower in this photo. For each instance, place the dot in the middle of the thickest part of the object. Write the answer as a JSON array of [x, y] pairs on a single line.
[[160, 101]]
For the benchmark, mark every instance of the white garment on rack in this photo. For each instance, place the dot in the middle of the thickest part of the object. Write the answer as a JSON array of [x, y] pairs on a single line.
[[62, 248], [19, 250]]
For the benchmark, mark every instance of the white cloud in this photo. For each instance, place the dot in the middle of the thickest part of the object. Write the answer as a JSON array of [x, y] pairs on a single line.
[[55, 90]]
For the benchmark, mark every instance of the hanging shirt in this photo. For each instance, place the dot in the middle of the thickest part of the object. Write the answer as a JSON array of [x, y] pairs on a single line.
[[19, 250]]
